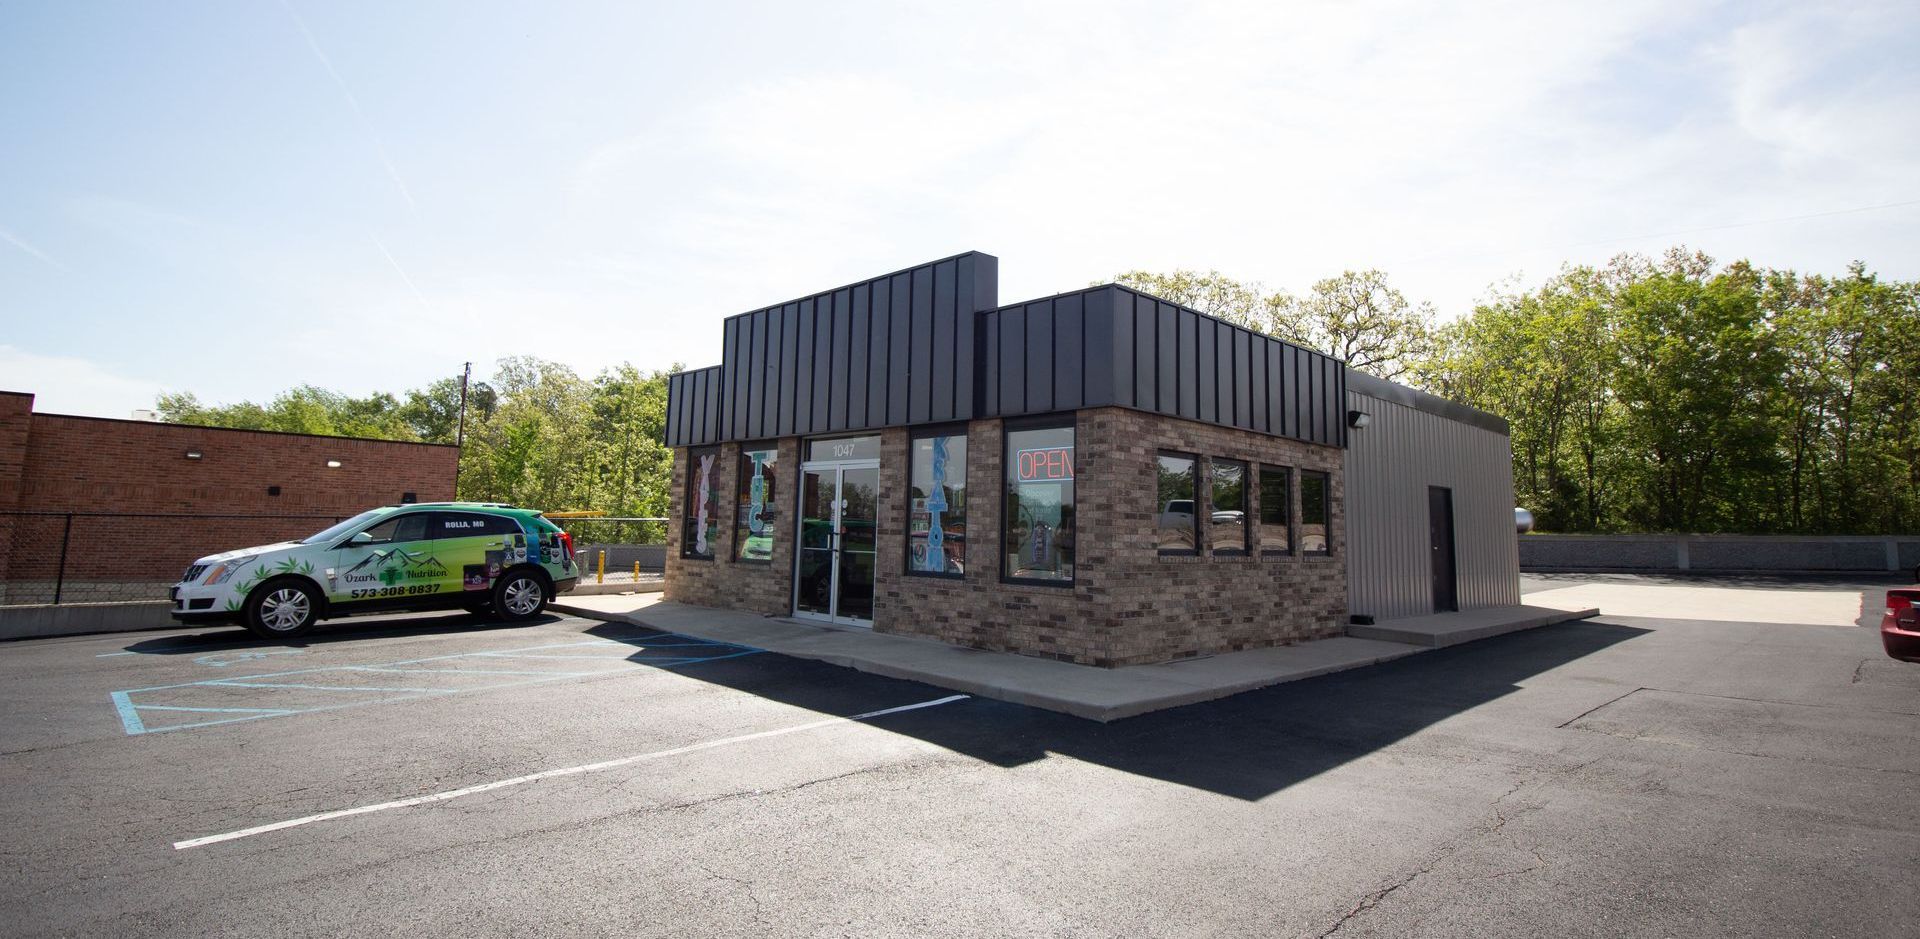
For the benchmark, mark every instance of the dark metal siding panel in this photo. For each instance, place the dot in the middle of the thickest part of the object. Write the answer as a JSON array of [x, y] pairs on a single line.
[[1276, 388], [1316, 398], [1189, 366], [1342, 399], [822, 361], [1223, 372], [940, 386], [731, 350], [673, 408], [989, 364], [1166, 333], [755, 398], [900, 329], [879, 346], [1298, 423], [919, 394], [1257, 387], [978, 291], [789, 326], [1146, 353], [1096, 337], [1040, 359], [859, 358], [839, 344], [1013, 385], [1123, 355], [1204, 364], [803, 381], [1243, 380], [1069, 353], [716, 403]]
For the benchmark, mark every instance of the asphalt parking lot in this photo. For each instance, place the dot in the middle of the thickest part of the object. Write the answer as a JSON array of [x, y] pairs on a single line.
[[437, 776]]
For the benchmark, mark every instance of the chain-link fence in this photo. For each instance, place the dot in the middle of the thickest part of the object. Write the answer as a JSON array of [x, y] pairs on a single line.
[[97, 557]]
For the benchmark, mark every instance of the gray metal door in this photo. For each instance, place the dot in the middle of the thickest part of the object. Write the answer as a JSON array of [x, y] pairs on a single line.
[[1440, 531]]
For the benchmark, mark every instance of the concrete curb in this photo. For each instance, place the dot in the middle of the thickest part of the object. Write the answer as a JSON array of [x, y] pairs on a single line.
[[599, 590], [42, 621]]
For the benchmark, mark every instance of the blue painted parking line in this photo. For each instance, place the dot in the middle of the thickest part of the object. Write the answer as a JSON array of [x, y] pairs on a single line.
[[140, 708]]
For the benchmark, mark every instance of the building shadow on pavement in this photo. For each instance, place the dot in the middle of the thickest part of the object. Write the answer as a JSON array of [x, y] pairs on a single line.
[[345, 629], [1247, 746]]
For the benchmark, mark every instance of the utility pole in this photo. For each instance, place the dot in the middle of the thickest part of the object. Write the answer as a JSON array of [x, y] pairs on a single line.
[[460, 436]]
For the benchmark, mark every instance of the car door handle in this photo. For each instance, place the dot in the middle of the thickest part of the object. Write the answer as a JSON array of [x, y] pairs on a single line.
[[496, 544]]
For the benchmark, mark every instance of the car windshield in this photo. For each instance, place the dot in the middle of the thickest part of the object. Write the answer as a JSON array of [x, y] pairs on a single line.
[[343, 528]]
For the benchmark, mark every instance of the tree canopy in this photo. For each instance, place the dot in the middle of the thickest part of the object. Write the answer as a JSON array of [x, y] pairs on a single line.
[[537, 433], [1649, 394]]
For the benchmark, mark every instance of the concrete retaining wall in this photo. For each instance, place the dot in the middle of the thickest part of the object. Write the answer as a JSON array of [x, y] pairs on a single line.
[[73, 619], [620, 557], [1744, 553]]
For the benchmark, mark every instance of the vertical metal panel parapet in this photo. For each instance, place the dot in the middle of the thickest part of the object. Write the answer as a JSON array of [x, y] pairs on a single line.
[[890, 350], [1114, 346]]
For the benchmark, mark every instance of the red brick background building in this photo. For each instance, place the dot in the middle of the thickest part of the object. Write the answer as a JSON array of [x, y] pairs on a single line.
[[146, 498]]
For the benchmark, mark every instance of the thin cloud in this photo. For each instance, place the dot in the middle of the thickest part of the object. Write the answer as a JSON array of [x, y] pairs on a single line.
[[379, 146], [21, 243]]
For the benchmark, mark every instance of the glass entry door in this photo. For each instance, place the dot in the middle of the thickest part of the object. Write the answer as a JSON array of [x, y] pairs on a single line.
[[833, 577]]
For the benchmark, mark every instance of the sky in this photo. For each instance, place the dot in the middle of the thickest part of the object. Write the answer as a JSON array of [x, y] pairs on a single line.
[[230, 199]]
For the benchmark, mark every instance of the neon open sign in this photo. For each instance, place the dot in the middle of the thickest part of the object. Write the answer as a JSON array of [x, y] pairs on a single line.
[[1043, 464]]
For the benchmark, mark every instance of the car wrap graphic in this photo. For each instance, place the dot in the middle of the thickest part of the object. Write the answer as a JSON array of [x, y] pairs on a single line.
[[348, 574]]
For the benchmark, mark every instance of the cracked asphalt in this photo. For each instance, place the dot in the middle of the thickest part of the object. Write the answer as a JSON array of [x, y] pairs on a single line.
[[1615, 777]]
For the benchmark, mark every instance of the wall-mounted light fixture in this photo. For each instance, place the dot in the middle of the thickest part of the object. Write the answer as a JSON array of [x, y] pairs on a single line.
[[1358, 419], [333, 464], [193, 454]]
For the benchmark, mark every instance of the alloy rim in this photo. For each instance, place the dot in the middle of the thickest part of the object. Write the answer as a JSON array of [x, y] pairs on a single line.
[[285, 609], [523, 596]]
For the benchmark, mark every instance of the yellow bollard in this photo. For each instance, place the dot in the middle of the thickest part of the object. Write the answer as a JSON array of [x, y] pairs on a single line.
[[600, 575], [636, 570]]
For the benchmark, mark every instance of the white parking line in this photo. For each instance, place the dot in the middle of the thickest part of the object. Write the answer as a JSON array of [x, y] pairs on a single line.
[[551, 773]]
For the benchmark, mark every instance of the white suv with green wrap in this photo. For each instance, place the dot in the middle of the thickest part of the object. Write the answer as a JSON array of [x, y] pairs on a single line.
[[481, 557]]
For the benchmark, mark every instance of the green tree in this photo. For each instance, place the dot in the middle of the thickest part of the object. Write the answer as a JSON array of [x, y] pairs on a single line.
[[1357, 317]]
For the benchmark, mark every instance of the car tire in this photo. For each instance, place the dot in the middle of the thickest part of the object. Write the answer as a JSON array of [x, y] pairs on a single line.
[[281, 609], [520, 595]]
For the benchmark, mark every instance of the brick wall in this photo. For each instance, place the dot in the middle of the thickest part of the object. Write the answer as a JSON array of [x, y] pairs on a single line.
[[1128, 604], [118, 469]]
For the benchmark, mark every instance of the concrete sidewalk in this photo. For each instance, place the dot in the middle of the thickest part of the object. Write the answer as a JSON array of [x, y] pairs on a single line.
[[1099, 694], [1439, 630]]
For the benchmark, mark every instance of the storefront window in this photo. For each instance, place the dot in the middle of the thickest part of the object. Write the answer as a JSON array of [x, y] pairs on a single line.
[[1039, 517], [1276, 506], [1174, 527], [754, 513], [702, 506], [1315, 496], [1227, 525], [937, 505]]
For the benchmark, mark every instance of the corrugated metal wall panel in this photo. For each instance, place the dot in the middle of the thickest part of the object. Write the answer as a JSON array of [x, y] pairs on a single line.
[[1389, 465]]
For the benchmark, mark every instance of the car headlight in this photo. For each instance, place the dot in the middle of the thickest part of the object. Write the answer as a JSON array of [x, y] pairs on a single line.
[[225, 571]]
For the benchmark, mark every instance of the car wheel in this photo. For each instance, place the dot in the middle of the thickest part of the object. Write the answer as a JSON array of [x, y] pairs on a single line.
[[282, 609], [519, 595]]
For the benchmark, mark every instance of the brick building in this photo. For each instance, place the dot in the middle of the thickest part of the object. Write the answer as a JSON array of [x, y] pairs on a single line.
[[134, 501], [1101, 476]]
